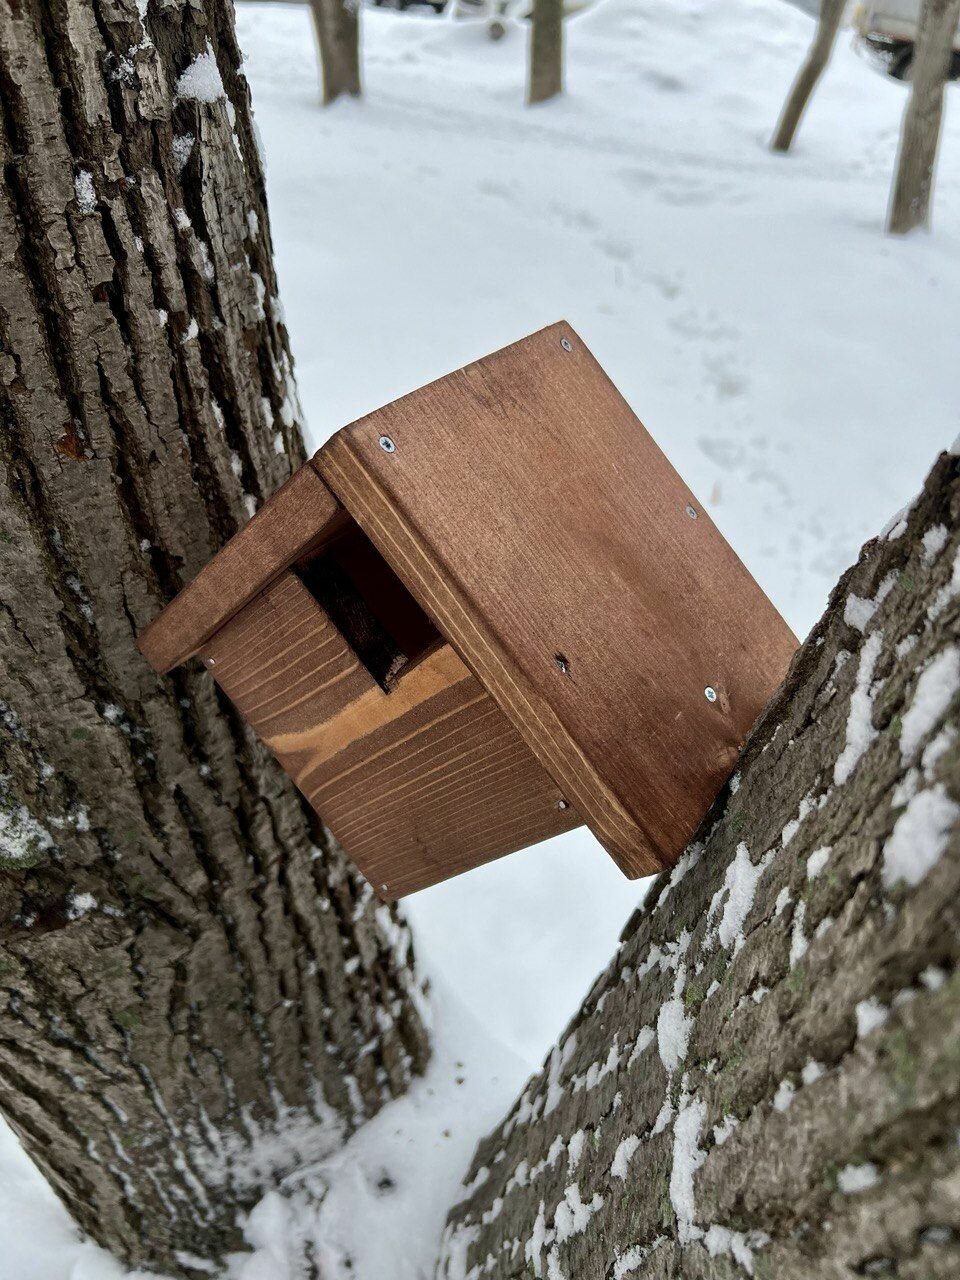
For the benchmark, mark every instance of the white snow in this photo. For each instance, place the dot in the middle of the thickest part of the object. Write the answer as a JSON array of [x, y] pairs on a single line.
[[737, 1244], [919, 836], [571, 1215], [933, 542], [933, 978], [860, 730], [784, 1095], [79, 904], [947, 592], [673, 1033], [723, 1130], [857, 612], [857, 1177], [85, 192], [182, 147], [687, 1159], [623, 1156], [870, 1014], [22, 836], [740, 886], [644, 1039], [742, 302], [817, 861], [201, 81], [936, 688], [812, 1072], [798, 938]]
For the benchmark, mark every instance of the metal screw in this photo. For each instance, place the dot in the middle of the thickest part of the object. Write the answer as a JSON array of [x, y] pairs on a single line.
[[212, 662], [562, 662], [387, 445], [563, 804], [566, 344], [710, 693], [691, 511]]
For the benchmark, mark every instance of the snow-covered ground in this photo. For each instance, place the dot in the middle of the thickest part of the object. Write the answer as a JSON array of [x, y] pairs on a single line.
[[797, 366]]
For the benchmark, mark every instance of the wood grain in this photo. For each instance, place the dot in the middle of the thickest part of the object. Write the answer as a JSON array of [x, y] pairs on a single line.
[[548, 537], [300, 514], [418, 784]]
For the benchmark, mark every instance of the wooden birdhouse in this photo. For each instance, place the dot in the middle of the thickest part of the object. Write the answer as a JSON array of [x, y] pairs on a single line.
[[484, 615]]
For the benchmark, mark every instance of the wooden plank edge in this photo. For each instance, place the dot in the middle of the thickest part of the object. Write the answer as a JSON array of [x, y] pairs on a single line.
[[301, 514]]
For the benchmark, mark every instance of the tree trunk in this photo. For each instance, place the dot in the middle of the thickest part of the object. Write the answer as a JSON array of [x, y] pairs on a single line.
[[546, 51], [920, 132], [336, 24], [766, 1078], [194, 996], [828, 24]]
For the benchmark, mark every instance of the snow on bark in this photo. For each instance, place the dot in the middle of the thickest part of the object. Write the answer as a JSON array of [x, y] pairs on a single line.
[[800, 981]]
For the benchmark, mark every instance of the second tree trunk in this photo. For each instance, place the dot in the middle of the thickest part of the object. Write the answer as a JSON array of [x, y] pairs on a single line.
[[336, 24], [546, 51], [920, 134]]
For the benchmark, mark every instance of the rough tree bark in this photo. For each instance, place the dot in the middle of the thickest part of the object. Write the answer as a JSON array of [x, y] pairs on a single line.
[[194, 996], [336, 24], [912, 190], [766, 1078], [545, 76], [815, 63]]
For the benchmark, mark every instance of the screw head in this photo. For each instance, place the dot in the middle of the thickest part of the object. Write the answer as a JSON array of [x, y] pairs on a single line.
[[566, 344], [387, 445], [563, 804], [691, 511], [710, 693]]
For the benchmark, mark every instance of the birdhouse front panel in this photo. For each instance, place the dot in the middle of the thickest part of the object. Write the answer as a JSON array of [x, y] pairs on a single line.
[[484, 614], [418, 773]]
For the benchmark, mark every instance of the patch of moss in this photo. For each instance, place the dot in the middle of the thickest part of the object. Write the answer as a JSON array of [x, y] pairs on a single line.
[[903, 1066], [666, 1207], [20, 863], [128, 1018], [695, 992]]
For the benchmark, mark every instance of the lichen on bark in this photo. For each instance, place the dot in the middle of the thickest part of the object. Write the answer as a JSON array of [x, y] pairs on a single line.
[[766, 1078], [196, 990]]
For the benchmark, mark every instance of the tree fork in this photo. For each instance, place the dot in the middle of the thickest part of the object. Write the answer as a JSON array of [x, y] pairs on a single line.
[[198, 993]]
